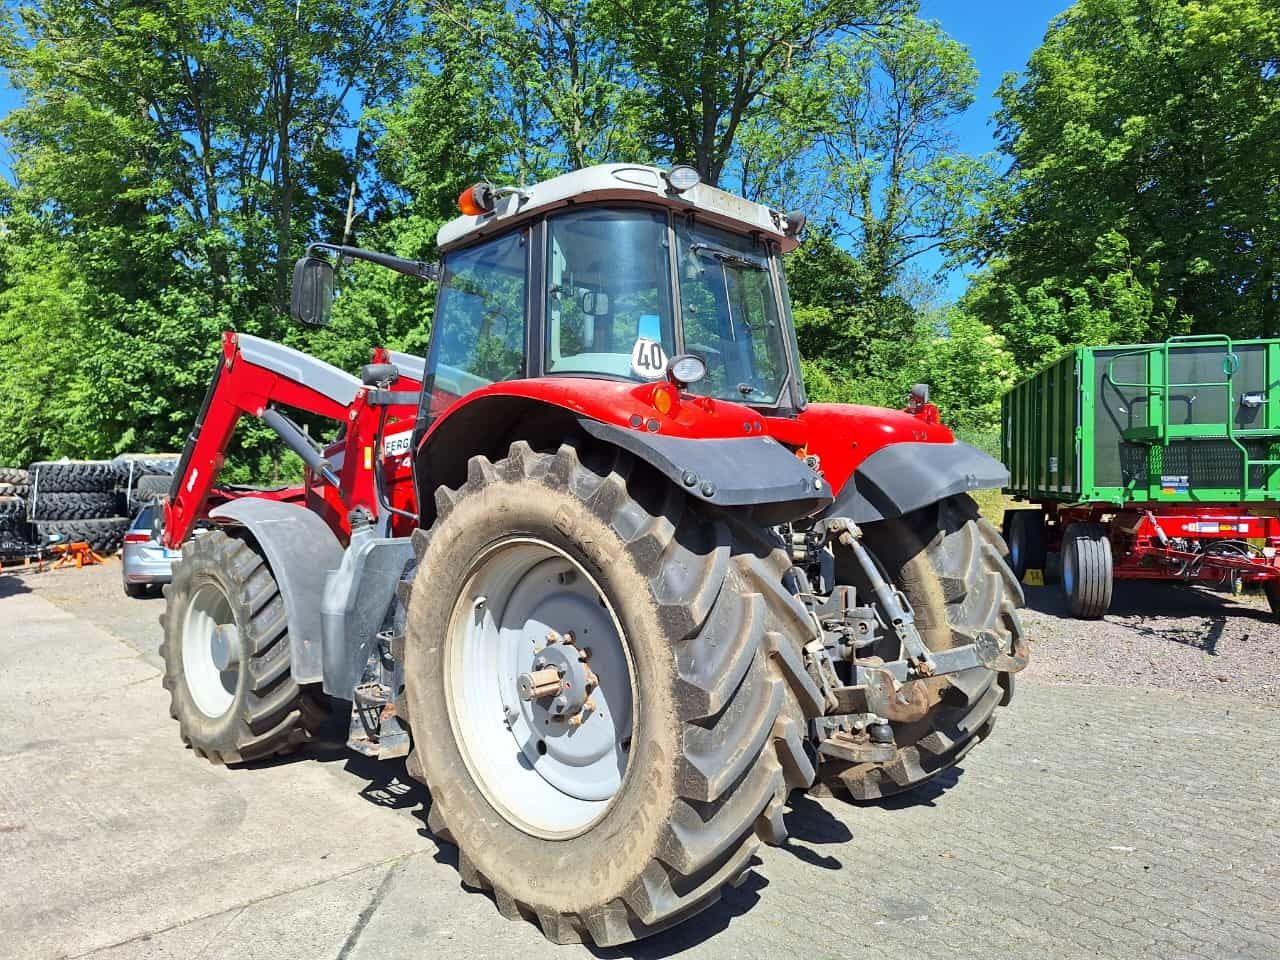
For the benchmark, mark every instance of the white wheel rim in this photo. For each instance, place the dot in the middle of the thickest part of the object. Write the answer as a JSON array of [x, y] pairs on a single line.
[[546, 775], [209, 634]]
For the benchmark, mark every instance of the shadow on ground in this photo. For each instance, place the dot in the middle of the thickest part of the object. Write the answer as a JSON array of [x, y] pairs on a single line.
[[11, 586]]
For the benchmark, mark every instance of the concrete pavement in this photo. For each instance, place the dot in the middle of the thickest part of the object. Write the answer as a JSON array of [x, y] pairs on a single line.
[[1095, 822]]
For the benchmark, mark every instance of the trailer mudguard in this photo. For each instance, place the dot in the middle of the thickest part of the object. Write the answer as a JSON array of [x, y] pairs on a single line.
[[903, 477], [301, 550], [754, 473]]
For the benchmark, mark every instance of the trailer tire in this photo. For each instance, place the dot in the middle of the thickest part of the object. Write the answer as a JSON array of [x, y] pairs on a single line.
[[712, 647], [74, 506], [950, 563], [222, 580], [104, 536], [1272, 590], [1027, 540], [1087, 570]]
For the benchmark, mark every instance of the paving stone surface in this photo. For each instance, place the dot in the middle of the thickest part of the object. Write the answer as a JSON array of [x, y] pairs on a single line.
[[1096, 822]]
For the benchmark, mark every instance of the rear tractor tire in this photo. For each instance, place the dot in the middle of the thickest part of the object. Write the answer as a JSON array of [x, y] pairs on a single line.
[[226, 654], [950, 564], [1087, 575], [614, 820]]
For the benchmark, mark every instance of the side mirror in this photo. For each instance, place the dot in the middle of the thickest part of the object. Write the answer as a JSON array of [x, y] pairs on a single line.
[[594, 303], [312, 297]]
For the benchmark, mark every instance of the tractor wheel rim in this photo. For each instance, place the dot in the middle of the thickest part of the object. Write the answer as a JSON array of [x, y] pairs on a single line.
[[550, 768], [210, 650]]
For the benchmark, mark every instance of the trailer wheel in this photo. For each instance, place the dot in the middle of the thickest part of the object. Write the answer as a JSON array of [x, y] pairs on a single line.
[[1272, 589], [611, 818], [1086, 570], [950, 564], [1027, 540], [226, 654]]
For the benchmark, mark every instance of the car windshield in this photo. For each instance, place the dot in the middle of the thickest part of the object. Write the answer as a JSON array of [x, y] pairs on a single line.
[[144, 519], [609, 302]]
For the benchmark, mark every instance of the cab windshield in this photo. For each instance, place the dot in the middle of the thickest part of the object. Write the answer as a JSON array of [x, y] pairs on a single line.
[[610, 310]]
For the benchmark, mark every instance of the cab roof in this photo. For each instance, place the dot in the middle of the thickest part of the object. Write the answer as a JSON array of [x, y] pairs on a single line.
[[619, 181]]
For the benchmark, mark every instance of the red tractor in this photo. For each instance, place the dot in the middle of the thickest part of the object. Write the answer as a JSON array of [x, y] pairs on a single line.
[[596, 565]]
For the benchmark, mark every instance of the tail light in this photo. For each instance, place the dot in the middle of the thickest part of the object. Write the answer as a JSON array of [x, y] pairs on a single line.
[[137, 538]]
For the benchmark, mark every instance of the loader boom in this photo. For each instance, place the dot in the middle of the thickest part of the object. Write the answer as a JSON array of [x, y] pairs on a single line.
[[257, 378]]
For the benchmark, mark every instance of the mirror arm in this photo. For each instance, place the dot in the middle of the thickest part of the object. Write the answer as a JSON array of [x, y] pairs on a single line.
[[411, 268]]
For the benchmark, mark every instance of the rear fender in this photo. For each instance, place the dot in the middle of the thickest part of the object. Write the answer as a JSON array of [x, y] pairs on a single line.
[[301, 550], [708, 457], [886, 463], [902, 477]]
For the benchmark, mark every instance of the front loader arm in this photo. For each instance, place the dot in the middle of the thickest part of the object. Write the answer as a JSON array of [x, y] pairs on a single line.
[[253, 376]]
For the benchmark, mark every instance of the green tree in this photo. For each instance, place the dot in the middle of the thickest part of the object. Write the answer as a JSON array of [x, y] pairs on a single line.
[[888, 149], [172, 161], [1143, 196]]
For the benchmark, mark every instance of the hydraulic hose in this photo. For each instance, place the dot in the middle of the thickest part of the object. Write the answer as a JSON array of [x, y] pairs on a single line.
[[297, 441]]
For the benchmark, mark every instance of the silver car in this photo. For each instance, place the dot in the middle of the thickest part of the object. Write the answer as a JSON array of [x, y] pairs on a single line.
[[146, 562]]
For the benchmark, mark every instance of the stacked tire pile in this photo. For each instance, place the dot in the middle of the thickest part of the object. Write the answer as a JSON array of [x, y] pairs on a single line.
[[77, 501], [15, 533]]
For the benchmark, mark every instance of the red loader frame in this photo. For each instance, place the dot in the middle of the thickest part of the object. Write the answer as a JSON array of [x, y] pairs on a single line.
[[254, 378]]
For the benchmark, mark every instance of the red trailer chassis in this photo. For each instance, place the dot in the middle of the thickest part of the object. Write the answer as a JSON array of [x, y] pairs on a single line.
[[1179, 541]]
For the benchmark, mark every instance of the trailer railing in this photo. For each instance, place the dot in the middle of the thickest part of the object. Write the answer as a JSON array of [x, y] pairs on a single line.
[[1162, 431]]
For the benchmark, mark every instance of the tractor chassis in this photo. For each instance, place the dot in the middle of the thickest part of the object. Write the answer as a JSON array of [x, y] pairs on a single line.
[[856, 726]]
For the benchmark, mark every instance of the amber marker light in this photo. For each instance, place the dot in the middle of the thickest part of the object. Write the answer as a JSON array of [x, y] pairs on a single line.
[[476, 200], [664, 398]]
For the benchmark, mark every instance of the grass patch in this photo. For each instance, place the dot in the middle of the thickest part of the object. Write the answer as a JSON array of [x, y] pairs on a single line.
[[992, 504]]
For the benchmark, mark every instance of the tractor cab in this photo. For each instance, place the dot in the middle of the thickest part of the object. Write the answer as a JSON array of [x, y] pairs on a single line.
[[617, 272]]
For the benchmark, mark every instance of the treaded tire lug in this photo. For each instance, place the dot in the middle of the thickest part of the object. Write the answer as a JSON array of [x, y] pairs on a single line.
[[718, 724], [270, 714]]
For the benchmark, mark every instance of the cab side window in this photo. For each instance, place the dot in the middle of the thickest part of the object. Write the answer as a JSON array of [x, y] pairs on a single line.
[[479, 335]]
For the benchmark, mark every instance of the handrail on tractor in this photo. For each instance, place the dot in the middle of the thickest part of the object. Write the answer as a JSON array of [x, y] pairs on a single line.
[[1230, 367]]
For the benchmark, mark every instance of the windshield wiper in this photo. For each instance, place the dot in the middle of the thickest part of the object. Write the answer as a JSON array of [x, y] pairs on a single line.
[[727, 256]]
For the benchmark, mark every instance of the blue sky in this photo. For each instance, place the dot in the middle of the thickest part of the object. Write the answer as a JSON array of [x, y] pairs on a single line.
[[1001, 35]]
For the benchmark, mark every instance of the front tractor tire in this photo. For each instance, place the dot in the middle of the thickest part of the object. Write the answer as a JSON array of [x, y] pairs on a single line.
[[611, 823], [951, 566], [226, 654]]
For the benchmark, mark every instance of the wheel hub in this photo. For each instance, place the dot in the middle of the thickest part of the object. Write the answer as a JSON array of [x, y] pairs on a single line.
[[540, 687], [562, 677], [211, 650]]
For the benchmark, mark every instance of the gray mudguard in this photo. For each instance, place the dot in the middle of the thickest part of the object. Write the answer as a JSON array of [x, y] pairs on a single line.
[[358, 597], [301, 550], [754, 473], [903, 477]]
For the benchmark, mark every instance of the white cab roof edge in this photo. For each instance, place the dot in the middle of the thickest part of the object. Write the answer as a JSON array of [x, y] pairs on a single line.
[[619, 181]]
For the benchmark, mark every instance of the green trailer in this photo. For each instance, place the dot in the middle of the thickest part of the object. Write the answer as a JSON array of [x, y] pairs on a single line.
[[1148, 461]]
